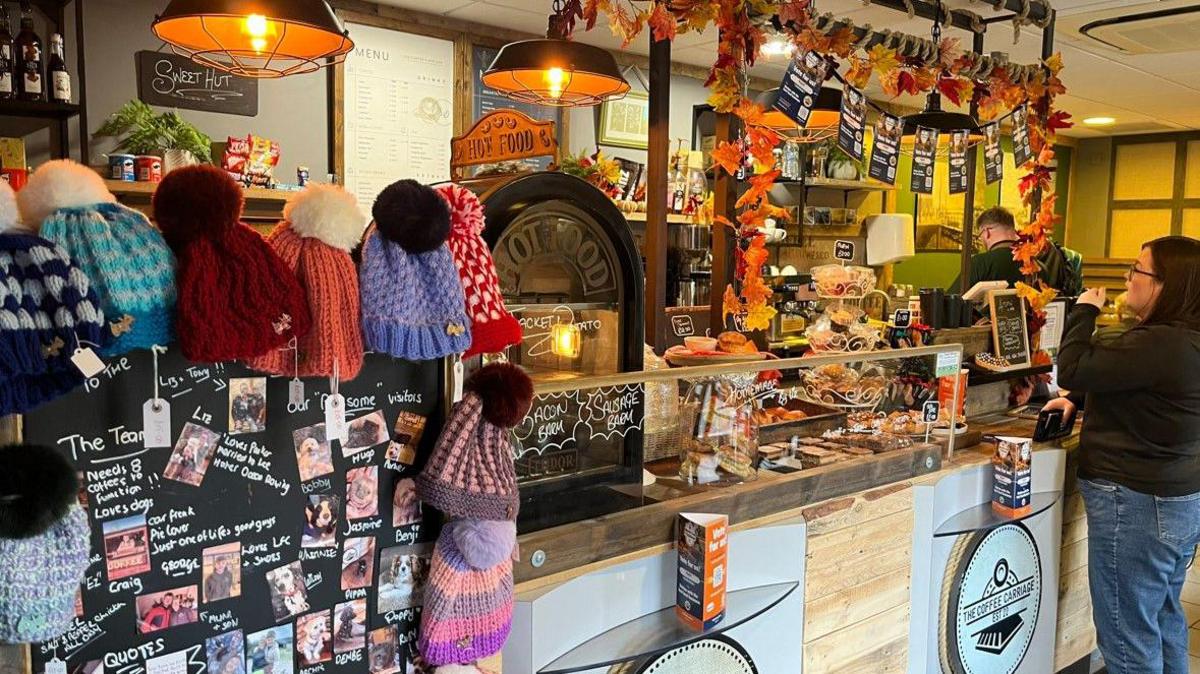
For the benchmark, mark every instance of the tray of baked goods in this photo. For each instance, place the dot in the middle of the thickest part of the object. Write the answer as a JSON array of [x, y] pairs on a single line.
[[829, 447], [781, 422]]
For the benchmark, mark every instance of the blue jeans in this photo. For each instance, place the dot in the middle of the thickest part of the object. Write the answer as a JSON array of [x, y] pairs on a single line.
[[1139, 548]]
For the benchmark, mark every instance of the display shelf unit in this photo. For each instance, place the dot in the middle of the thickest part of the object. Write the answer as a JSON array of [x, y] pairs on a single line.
[[38, 110], [983, 518], [124, 187], [263, 207]]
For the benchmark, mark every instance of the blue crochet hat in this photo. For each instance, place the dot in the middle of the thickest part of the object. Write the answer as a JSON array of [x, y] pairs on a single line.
[[126, 258], [412, 299], [44, 543]]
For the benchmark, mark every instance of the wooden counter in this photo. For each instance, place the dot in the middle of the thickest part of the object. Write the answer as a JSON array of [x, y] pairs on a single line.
[[859, 560]]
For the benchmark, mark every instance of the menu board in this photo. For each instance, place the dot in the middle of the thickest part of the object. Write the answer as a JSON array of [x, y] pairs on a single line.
[[1010, 332], [398, 108], [254, 543], [489, 100]]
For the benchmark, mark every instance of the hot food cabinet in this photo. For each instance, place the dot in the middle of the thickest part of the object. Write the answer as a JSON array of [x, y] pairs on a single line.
[[573, 277]]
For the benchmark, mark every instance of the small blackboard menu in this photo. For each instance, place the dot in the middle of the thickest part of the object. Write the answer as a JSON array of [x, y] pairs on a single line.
[[1010, 332], [253, 543], [175, 81]]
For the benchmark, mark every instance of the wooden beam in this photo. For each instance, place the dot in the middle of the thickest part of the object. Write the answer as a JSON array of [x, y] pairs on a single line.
[[659, 145], [968, 226], [724, 200]]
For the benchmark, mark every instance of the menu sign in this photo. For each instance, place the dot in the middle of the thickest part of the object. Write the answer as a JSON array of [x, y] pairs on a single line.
[[993, 157], [487, 100], [1010, 332], [566, 430], [800, 86], [886, 149], [958, 161], [1022, 151], [853, 122], [924, 156]]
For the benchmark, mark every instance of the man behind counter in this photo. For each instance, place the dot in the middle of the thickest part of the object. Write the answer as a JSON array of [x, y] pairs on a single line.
[[998, 233]]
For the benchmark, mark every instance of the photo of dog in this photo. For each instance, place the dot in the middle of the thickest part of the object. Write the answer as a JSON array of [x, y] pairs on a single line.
[[270, 651], [289, 597], [192, 454], [225, 654], [320, 521], [364, 433], [314, 638], [406, 435], [362, 492], [406, 507], [402, 574], [313, 455], [358, 563], [383, 651], [349, 625]]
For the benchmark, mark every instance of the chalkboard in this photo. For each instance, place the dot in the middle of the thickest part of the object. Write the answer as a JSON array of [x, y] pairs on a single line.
[[326, 552], [489, 100], [1010, 332], [175, 81]]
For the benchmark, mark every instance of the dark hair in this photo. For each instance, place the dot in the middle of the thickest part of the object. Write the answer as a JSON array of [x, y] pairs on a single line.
[[996, 215], [1177, 268]]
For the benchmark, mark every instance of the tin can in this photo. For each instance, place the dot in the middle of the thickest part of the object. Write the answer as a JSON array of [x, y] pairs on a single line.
[[121, 167], [15, 177], [149, 169], [302, 175]]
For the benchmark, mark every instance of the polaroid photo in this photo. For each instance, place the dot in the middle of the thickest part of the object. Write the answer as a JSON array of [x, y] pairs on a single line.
[[350, 626], [321, 514], [247, 405], [364, 433], [362, 492], [157, 611], [270, 651], [225, 653], [313, 454], [406, 435], [126, 547], [222, 572], [406, 507], [192, 454], [383, 651], [289, 596], [403, 571], [314, 638], [358, 563]]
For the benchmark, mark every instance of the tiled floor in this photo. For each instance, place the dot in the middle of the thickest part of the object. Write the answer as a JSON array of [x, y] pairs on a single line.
[[1191, 604]]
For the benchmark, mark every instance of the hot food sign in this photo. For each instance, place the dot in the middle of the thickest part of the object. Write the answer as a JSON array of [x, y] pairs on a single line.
[[503, 135]]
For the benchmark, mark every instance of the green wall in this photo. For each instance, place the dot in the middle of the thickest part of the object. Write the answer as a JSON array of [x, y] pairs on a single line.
[[929, 270]]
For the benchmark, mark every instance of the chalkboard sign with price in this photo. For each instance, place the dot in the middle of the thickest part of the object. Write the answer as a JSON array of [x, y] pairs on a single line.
[[1010, 332]]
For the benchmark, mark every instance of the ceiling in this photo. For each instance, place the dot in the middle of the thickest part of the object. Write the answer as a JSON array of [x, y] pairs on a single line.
[[1144, 93]]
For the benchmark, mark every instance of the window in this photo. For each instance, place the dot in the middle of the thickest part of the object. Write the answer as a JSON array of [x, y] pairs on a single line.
[[1155, 191]]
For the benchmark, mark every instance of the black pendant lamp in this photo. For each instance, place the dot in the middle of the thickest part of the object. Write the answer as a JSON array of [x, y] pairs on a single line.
[[825, 116], [556, 71], [933, 117], [255, 38]]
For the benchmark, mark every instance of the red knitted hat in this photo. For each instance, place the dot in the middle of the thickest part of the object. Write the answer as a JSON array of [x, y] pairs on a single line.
[[321, 226], [237, 299], [493, 328]]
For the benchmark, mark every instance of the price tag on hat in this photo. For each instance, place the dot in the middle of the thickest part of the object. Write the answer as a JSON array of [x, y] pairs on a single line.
[[156, 423], [87, 362], [902, 318], [295, 393], [843, 250], [335, 418], [56, 666]]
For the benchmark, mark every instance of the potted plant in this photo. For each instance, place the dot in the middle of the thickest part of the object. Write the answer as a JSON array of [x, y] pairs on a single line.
[[141, 132], [840, 166]]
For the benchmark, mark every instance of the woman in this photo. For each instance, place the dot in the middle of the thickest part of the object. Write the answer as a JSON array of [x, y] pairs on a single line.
[[1139, 466]]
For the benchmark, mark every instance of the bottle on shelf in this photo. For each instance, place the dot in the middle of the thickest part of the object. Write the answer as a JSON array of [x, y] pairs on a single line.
[[679, 185], [31, 76], [697, 183], [60, 77], [7, 84]]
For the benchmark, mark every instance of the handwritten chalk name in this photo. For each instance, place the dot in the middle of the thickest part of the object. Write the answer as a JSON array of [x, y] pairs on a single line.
[[317, 485], [404, 396], [363, 526], [317, 669], [312, 580], [179, 567], [356, 594], [309, 554], [125, 584], [352, 656], [402, 616], [408, 535]]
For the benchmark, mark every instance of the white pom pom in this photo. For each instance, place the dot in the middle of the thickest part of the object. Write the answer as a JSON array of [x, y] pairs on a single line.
[[61, 183], [9, 217], [328, 213], [458, 669]]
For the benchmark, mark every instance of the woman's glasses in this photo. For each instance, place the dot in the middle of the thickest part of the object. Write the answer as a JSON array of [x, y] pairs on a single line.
[[1133, 270]]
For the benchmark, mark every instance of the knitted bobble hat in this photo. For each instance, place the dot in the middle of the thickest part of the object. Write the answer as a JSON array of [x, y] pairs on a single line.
[[321, 226], [412, 301], [467, 614], [470, 472], [129, 264], [44, 543], [237, 298], [493, 328]]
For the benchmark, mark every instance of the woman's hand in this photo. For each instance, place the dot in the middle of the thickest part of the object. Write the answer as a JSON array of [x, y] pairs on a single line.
[[1095, 297], [1066, 406]]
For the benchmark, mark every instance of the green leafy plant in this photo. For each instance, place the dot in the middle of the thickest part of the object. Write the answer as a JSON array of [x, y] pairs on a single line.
[[140, 131]]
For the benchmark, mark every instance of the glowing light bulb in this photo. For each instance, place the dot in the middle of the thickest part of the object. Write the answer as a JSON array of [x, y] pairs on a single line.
[[256, 25], [565, 340], [555, 78]]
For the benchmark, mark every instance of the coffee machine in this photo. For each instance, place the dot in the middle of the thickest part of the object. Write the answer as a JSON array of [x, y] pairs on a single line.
[[690, 261], [795, 302]]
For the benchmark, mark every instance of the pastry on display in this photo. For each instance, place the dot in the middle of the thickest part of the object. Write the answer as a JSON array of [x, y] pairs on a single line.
[[876, 442], [988, 361], [735, 342], [776, 415], [719, 435], [843, 386], [842, 329], [835, 280], [729, 346]]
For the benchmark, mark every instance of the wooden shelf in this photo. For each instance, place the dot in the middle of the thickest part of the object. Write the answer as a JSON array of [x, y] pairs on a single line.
[[849, 185], [38, 110], [122, 188], [672, 218]]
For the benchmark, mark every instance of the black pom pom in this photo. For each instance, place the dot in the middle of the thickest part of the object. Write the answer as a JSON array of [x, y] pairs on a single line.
[[37, 487], [506, 392], [413, 215]]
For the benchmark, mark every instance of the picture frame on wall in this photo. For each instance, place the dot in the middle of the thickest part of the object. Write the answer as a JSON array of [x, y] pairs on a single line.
[[625, 122]]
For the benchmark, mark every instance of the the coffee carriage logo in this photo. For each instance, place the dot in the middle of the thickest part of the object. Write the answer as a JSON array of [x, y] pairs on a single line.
[[993, 603]]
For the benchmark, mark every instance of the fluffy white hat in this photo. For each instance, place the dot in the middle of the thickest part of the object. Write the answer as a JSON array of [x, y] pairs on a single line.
[[328, 213], [61, 183], [9, 217]]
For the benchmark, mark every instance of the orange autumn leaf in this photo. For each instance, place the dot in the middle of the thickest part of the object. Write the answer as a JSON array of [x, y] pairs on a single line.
[[754, 218], [860, 72], [750, 112], [662, 22], [761, 143], [924, 78], [896, 82], [841, 41], [1038, 299], [811, 39], [883, 60], [1055, 63], [730, 304], [949, 52], [990, 108], [760, 185], [756, 255], [955, 90], [759, 317], [591, 11], [724, 89], [728, 156]]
